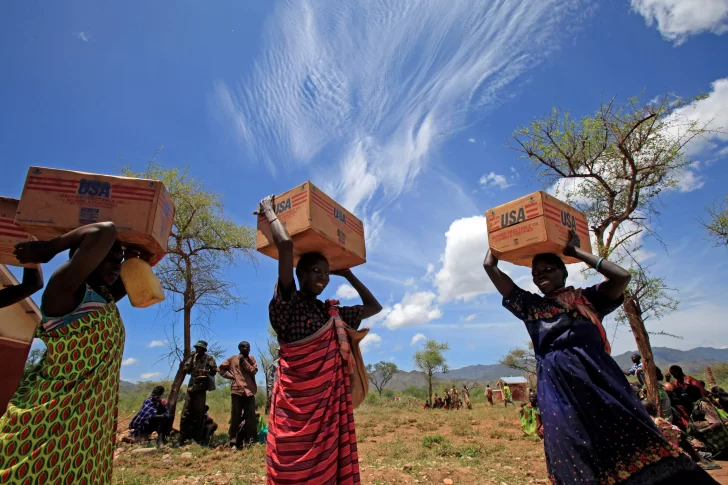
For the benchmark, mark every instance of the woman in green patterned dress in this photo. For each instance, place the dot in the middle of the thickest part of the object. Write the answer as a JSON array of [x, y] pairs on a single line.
[[61, 424]]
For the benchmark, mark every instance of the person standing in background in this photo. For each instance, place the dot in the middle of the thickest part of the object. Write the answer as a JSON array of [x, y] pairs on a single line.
[[682, 381], [202, 367], [637, 369], [489, 394], [270, 379], [507, 396], [241, 369]]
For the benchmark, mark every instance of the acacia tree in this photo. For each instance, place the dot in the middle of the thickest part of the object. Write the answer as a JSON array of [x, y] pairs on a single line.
[[614, 165], [267, 356], [523, 360], [430, 360], [203, 245], [717, 225], [381, 373]]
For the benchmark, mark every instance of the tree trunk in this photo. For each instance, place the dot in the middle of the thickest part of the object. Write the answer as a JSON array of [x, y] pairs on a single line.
[[711, 378], [639, 331], [429, 386], [179, 377]]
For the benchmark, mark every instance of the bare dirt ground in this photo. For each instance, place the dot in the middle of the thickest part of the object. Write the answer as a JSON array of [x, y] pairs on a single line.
[[397, 445]]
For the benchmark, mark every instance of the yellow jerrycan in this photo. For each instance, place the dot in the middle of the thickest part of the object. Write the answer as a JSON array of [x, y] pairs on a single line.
[[140, 282]]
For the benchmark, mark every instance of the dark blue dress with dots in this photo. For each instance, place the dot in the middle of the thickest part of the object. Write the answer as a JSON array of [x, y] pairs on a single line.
[[595, 429]]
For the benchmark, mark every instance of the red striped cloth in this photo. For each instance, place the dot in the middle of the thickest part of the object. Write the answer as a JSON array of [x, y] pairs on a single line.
[[311, 435]]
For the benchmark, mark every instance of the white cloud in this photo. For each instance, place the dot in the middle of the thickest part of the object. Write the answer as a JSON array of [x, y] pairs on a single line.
[[494, 180], [688, 180], [150, 375], [157, 343], [470, 318], [705, 329], [83, 36], [397, 348], [129, 361], [418, 337], [391, 359], [471, 140], [414, 309], [712, 112], [371, 341], [430, 272], [462, 276], [346, 292], [410, 282], [678, 19], [305, 96], [515, 173]]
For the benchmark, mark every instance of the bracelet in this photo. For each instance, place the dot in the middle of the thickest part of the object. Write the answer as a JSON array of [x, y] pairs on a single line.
[[598, 263], [273, 220]]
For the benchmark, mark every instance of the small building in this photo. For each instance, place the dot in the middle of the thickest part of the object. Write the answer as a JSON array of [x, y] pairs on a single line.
[[518, 386]]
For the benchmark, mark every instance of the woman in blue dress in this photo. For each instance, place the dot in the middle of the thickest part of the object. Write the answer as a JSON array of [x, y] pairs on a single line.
[[595, 429]]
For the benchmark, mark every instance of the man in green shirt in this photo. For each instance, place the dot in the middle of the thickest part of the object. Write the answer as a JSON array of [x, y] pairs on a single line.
[[202, 369]]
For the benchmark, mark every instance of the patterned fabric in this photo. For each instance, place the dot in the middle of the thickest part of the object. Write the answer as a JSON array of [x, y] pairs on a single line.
[[91, 302], [60, 426], [595, 430], [311, 434], [670, 431], [507, 394], [529, 423], [572, 299], [149, 408], [301, 317]]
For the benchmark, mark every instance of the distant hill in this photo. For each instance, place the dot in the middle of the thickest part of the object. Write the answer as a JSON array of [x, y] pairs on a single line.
[[471, 373], [692, 361]]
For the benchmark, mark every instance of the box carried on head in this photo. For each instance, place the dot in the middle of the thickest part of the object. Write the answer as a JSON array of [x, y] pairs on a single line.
[[10, 234], [533, 224], [316, 223], [55, 202]]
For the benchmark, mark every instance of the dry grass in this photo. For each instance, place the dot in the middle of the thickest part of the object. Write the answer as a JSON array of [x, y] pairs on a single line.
[[397, 445]]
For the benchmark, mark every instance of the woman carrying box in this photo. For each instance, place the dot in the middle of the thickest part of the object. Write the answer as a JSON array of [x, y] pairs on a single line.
[[60, 426], [596, 431], [311, 435]]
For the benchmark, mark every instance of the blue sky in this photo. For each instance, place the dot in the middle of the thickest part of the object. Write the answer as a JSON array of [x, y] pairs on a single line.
[[400, 110]]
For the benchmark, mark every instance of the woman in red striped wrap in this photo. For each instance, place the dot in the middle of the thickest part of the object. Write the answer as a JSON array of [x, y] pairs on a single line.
[[311, 434]]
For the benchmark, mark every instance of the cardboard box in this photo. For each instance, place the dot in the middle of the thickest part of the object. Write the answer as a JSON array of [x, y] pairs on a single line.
[[316, 223], [57, 201], [19, 323], [536, 223], [10, 234]]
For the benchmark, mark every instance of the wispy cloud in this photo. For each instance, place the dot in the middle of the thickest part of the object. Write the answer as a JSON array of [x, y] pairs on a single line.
[[346, 292], [150, 375], [471, 140], [418, 337], [129, 361], [494, 180], [371, 341], [678, 19], [83, 36], [157, 343], [338, 77]]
